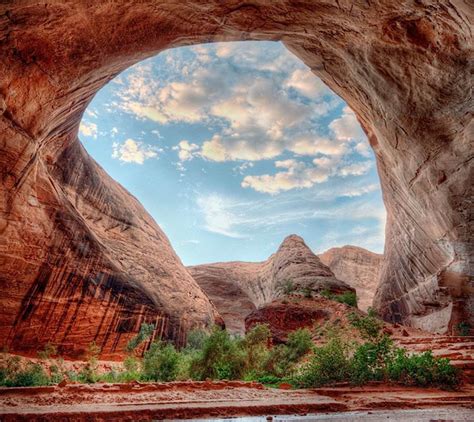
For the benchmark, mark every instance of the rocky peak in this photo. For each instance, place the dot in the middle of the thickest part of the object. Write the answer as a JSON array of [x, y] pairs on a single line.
[[253, 284]]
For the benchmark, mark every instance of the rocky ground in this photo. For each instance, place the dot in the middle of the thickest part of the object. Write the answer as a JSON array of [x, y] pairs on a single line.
[[187, 400]]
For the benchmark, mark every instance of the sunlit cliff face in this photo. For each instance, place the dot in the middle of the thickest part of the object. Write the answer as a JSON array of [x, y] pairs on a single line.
[[233, 146]]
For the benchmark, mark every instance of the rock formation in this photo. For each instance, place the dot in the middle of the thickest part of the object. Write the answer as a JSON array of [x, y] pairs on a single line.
[[81, 260], [238, 288], [358, 267], [219, 283]]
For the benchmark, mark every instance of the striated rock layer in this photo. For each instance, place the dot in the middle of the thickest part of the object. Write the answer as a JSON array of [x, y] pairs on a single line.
[[238, 288], [358, 267], [80, 259]]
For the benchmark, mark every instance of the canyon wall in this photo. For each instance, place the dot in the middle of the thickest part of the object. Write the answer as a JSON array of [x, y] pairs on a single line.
[[79, 257], [238, 288], [358, 267]]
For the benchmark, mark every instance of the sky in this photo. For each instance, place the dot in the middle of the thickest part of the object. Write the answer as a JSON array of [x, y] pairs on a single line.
[[233, 146]]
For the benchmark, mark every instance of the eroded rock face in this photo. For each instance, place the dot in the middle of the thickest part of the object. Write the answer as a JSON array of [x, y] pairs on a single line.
[[80, 259], [358, 267], [238, 288]]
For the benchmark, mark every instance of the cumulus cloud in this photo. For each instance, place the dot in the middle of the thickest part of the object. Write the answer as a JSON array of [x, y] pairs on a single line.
[[297, 174], [346, 127], [88, 129], [304, 81], [131, 151], [257, 106], [186, 150]]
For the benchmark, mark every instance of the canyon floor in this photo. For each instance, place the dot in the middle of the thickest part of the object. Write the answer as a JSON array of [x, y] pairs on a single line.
[[219, 399], [186, 400]]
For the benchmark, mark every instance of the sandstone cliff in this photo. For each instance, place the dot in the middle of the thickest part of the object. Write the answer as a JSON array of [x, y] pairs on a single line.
[[82, 262], [238, 288], [358, 267], [77, 255]]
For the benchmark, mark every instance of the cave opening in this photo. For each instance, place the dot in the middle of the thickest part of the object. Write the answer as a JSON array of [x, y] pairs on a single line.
[[393, 65], [232, 147]]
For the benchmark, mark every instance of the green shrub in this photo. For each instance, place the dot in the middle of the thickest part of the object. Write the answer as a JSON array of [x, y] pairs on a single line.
[[422, 370], [255, 345], [282, 359], [88, 374], [330, 363], [48, 351], [369, 326], [32, 375], [145, 332], [369, 360], [220, 358], [349, 298], [160, 362], [196, 339]]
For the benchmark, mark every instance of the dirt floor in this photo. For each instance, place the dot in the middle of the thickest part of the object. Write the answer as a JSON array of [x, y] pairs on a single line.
[[185, 400]]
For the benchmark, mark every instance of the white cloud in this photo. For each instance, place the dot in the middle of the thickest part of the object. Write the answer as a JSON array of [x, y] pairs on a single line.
[[251, 118], [186, 150], [363, 148], [355, 169], [313, 145], [218, 214], [88, 129], [132, 151], [346, 127], [297, 174], [305, 82]]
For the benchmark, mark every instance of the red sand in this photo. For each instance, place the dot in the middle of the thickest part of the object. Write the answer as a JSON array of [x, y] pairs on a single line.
[[138, 401]]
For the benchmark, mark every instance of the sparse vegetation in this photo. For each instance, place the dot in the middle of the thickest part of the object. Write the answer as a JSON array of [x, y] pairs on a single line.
[[145, 332], [286, 288], [218, 355], [349, 298]]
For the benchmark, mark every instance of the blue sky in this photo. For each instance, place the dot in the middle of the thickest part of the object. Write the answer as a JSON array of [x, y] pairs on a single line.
[[233, 146]]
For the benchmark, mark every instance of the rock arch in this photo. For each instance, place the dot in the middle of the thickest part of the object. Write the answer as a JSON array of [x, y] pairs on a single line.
[[81, 260]]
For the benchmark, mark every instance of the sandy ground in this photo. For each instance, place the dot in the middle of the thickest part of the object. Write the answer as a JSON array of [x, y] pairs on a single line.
[[185, 400]]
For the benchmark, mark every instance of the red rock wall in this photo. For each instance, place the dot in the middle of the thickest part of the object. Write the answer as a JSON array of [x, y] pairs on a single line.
[[404, 67]]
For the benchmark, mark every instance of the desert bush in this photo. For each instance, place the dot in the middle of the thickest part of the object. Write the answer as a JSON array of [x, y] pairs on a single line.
[[196, 339], [88, 374], [369, 326], [221, 357], [422, 369], [369, 360], [145, 332], [282, 359], [256, 347], [160, 362], [31, 375], [330, 363], [349, 298], [307, 292], [48, 351]]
